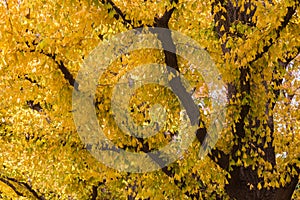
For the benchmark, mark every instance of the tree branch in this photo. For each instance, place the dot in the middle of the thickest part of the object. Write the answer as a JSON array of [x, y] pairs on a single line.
[[11, 186], [65, 71], [119, 12], [187, 102], [23, 184], [95, 190], [291, 11]]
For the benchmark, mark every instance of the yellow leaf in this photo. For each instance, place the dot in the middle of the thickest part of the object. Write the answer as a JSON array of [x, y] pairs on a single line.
[[259, 186], [222, 28]]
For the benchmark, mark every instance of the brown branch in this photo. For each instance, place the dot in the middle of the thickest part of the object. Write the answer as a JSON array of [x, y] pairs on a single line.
[[23, 184], [11, 186], [281, 66], [175, 83], [65, 71], [291, 11], [171, 61], [118, 11], [95, 190], [185, 98]]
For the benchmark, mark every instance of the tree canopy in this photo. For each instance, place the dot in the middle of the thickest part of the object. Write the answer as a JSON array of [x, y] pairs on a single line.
[[255, 46]]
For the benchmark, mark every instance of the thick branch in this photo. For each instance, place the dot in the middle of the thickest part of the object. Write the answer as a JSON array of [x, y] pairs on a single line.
[[185, 98]]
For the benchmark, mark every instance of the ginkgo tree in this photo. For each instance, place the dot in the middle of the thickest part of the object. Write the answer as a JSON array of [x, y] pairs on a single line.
[[255, 45]]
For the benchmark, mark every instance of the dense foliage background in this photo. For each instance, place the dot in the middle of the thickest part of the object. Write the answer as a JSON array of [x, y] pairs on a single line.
[[254, 44]]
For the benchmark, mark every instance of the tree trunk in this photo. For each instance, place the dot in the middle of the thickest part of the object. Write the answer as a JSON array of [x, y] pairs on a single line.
[[239, 187]]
